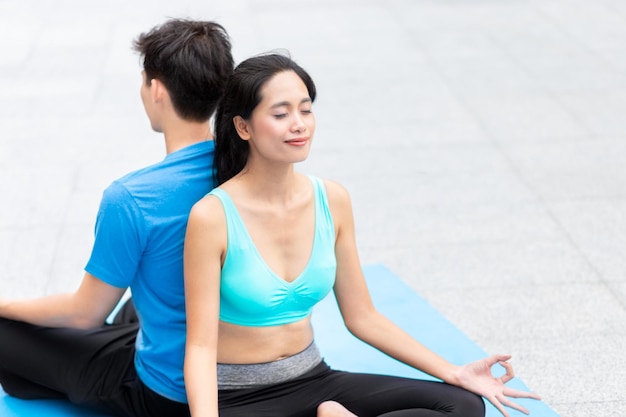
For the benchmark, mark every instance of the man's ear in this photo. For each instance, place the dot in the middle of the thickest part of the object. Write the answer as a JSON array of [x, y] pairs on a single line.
[[242, 127], [157, 90]]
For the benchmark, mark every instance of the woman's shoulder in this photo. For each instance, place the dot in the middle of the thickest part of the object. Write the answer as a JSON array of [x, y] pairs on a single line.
[[338, 196], [208, 210], [334, 189]]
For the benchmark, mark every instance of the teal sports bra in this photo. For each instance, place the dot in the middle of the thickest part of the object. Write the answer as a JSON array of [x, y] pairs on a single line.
[[251, 294]]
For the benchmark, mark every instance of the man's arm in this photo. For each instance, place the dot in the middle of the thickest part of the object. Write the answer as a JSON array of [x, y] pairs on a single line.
[[86, 308]]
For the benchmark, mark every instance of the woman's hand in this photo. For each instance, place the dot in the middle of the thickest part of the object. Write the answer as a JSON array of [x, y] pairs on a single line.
[[477, 378]]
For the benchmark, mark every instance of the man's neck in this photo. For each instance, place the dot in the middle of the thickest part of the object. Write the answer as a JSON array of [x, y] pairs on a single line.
[[183, 134]]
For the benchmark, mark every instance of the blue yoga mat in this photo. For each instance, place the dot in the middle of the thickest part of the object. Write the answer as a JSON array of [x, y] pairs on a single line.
[[342, 351]]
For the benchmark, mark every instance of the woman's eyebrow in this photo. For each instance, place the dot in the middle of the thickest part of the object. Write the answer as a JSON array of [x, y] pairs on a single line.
[[287, 104]]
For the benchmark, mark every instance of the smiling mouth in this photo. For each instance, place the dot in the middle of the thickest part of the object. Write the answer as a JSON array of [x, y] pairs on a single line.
[[297, 141]]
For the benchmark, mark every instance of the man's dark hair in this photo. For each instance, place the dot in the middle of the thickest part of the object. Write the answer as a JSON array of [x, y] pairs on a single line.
[[192, 59]]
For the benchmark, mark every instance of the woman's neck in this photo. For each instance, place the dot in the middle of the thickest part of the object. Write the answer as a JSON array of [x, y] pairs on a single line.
[[272, 184]]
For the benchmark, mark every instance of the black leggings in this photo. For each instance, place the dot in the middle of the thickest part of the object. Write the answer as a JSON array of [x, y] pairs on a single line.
[[365, 395], [91, 368], [94, 368]]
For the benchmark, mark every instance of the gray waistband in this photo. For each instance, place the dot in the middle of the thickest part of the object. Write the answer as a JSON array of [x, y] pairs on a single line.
[[234, 376]]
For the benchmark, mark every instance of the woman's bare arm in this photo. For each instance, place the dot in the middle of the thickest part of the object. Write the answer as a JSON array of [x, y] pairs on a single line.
[[205, 244]]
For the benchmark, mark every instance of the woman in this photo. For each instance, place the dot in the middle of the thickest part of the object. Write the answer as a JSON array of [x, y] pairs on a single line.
[[269, 243]]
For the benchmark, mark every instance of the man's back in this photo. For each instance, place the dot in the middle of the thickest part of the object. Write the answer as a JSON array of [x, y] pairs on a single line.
[[61, 347], [147, 211]]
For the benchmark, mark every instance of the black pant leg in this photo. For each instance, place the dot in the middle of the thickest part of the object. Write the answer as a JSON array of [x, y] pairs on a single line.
[[366, 395], [83, 365], [147, 403], [17, 386], [369, 395]]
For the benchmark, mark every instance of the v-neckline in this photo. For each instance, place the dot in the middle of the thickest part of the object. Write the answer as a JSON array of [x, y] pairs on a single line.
[[256, 250]]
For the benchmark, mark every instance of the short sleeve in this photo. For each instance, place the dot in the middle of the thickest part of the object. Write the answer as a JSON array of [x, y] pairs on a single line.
[[119, 238]]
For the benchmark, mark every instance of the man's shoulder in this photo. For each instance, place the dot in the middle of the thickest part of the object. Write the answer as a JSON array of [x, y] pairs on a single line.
[[198, 156], [135, 183], [140, 175], [179, 176]]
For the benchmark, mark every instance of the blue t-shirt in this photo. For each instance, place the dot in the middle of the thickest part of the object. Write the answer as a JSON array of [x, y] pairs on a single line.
[[139, 236]]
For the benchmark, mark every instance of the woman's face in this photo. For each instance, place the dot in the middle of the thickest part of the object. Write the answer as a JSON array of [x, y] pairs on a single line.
[[281, 126]]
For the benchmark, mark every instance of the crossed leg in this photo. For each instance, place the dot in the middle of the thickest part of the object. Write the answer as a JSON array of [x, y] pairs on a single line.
[[333, 409]]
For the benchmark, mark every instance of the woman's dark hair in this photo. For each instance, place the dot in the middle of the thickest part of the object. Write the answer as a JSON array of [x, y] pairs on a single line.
[[241, 96], [192, 59]]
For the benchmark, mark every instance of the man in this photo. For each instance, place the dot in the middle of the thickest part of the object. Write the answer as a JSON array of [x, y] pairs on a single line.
[[59, 345]]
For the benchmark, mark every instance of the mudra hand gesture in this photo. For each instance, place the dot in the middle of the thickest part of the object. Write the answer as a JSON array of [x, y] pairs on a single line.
[[478, 378]]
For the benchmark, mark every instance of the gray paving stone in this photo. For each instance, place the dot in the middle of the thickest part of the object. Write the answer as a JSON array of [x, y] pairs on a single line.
[[431, 267], [494, 77], [526, 118], [619, 289], [28, 254], [592, 408], [473, 224], [482, 142], [602, 113], [552, 332], [590, 168], [598, 229], [587, 351], [73, 248], [32, 199]]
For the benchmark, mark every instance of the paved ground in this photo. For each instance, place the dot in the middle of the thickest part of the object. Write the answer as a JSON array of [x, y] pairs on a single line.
[[483, 141]]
